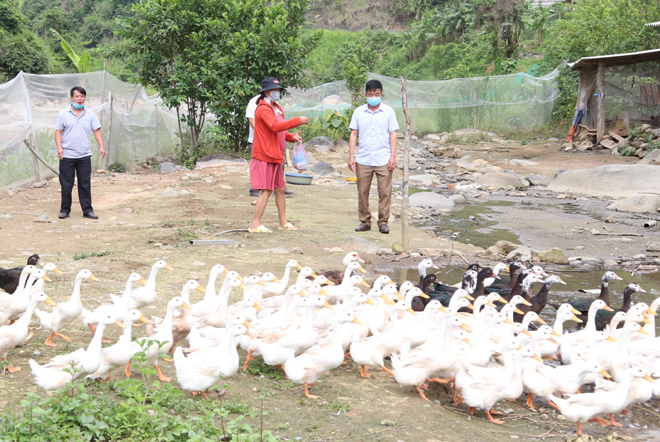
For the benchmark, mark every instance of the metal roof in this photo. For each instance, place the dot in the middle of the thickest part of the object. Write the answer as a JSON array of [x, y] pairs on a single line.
[[654, 24], [618, 59]]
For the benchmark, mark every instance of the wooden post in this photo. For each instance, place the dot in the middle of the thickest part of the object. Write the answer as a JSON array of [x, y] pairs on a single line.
[[108, 145], [536, 106], [406, 168], [37, 172], [156, 115], [37, 156], [600, 121]]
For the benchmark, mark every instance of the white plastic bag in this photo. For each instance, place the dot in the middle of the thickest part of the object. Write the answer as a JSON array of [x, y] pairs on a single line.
[[299, 157]]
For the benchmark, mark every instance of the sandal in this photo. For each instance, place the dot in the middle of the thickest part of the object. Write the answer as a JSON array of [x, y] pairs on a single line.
[[287, 226], [260, 229]]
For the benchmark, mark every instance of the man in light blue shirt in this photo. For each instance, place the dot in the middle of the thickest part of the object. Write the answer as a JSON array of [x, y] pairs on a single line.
[[375, 124], [72, 129]]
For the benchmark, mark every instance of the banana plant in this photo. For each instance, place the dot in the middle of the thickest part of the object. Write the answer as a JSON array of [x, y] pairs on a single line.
[[82, 62]]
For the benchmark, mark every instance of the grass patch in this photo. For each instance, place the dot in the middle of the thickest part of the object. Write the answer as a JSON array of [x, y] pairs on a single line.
[[83, 255], [259, 368]]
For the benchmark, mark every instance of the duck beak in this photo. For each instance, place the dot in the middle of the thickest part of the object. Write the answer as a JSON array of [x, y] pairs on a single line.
[[240, 278], [649, 378], [144, 319], [365, 283], [298, 267], [608, 308], [502, 300], [169, 267], [611, 338], [506, 269], [361, 269], [250, 335], [328, 306], [247, 324], [554, 333], [541, 321], [142, 281], [644, 321], [356, 321], [490, 304], [411, 311], [576, 319], [651, 312], [398, 296], [509, 321], [119, 324], [46, 278], [49, 301], [618, 277], [329, 283], [58, 271], [276, 280], [467, 341], [435, 267], [553, 341], [186, 306], [644, 332], [466, 327], [526, 333], [370, 302], [444, 310], [561, 281], [470, 306], [93, 278], [575, 312], [520, 312], [261, 283], [424, 295], [604, 373], [323, 292], [469, 298], [314, 275], [519, 347], [537, 358], [242, 286], [526, 302], [257, 306], [199, 288]]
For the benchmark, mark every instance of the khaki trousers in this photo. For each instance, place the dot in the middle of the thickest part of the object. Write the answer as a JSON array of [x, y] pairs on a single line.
[[384, 179]]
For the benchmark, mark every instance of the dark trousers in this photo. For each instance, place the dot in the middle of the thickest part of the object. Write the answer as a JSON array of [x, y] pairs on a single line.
[[69, 169]]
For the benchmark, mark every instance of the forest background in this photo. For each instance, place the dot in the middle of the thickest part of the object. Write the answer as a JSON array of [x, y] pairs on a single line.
[[324, 41]]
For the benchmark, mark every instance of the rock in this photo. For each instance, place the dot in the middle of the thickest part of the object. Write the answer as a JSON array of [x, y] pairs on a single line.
[[431, 199], [652, 157], [40, 184], [583, 145], [360, 245], [586, 263], [553, 140], [421, 180], [321, 149], [199, 264], [387, 423], [124, 210], [493, 252], [310, 158], [400, 136], [523, 254], [559, 172], [610, 264], [499, 180], [522, 163], [639, 256], [6, 216], [413, 137], [653, 246], [555, 256], [278, 250], [341, 146], [610, 219], [296, 250], [318, 141], [609, 144], [335, 250], [637, 204], [536, 179], [645, 127], [323, 168], [42, 217], [166, 167], [457, 199], [397, 248], [434, 253], [609, 180], [432, 137], [506, 246], [171, 193]]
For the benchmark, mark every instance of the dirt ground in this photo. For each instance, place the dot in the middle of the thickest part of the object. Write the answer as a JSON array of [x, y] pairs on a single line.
[[139, 224]]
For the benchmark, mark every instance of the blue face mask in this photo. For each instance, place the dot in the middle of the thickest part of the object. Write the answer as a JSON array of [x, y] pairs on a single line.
[[373, 101], [78, 106], [274, 96]]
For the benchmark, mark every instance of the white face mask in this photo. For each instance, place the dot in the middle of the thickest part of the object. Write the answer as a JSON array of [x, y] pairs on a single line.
[[274, 96]]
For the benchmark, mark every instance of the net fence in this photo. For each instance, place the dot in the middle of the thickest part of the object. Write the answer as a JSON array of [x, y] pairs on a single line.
[[631, 92], [135, 126], [487, 103]]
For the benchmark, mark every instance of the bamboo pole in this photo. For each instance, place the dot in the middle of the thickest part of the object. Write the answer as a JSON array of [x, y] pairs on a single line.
[[600, 121], [406, 168], [109, 146], [40, 159], [37, 172]]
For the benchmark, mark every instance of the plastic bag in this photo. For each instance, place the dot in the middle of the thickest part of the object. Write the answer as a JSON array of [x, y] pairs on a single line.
[[299, 157]]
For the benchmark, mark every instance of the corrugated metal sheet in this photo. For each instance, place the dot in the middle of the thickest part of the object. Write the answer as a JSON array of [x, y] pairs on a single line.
[[618, 59], [654, 24]]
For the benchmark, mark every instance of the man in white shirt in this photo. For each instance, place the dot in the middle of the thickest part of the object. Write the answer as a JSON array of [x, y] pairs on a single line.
[[375, 124]]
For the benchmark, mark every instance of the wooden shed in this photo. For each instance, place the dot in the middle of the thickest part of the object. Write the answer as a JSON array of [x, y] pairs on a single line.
[[619, 89]]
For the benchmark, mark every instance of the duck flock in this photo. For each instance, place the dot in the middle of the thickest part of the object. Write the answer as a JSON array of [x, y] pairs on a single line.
[[485, 338]]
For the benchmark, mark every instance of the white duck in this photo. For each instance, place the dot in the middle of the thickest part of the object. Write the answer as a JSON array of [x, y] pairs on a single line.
[[277, 287], [211, 300], [14, 305], [146, 295], [65, 312], [117, 310], [16, 333], [82, 362], [119, 354], [202, 369]]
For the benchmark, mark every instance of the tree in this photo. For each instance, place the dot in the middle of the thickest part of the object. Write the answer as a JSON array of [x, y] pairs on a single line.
[[82, 62], [211, 55], [20, 49]]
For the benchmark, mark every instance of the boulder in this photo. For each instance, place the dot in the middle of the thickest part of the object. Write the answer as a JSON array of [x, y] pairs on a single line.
[[653, 246], [318, 141], [637, 204], [616, 180], [506, 246], [586, 264], [397, 248], [435, 253], [523, 254], [432, 137], [321, 148], [360, 245], [499, 180], [323, 169], [536, 179], [522, 163], [457, 199], [421, 180], [555, 256], [166, 167], [609, 144], [431, 199], [652, 157], [341, 146]]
